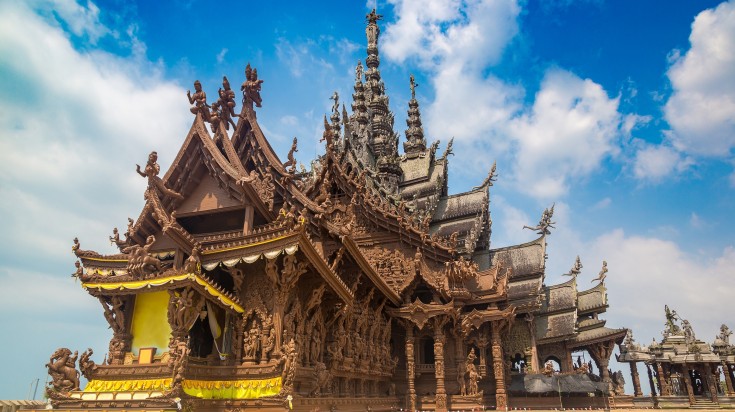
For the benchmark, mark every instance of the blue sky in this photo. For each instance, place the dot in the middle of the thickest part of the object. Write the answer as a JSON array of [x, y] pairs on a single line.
[[622, 113]]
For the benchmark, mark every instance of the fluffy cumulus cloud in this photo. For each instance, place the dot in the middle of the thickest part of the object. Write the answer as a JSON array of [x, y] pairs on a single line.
[[641, 267], [701, 109], [74, 123], [571, 127], [566, 133], [652, 163]]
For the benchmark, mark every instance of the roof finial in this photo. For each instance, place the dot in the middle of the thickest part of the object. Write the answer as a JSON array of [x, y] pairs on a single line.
[[413, 87], [415, 142], [491, 177], [576, 269], [603, 273], [545, 223]]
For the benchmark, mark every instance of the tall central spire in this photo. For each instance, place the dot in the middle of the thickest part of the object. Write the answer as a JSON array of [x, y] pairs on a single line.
[[383, 140]]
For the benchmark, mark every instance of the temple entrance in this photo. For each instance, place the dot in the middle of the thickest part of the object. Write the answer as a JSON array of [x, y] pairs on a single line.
[[699, 386]]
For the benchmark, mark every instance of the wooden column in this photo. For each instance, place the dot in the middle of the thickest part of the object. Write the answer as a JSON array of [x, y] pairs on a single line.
[[663, 384], [713, 378], [410, 366], [728, 378], [650, 380], [501, 398], [441, 392], [688, 384], [247, 227], [636, 379], [530, 321]]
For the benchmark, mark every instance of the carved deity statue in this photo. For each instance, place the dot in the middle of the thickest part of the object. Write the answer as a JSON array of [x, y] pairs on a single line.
[[226, 103], [140, 261], [373, 31], [151, 171], [199, 100], [671, 318], [358, 72], [251, 88], [724, 335], [576, 269], [544, 223], [688, 331], [603, 273], [63, 372]]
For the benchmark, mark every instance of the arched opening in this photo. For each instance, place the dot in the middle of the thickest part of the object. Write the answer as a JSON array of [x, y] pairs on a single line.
[[555, 362], [518, 363]]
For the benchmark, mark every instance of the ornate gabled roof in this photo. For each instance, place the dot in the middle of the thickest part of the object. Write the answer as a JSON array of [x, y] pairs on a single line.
[[556, 326], [525, 260], [593, 299], [560, 298]]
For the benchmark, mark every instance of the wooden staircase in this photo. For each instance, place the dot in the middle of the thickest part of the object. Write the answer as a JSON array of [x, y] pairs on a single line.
[[703, 403]]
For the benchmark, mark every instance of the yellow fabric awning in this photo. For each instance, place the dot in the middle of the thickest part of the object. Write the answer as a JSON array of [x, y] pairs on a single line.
[[236, 389], [149, 283]]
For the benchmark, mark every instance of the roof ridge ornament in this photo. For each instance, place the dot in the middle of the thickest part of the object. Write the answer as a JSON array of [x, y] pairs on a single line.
[[491, 177], [151, 172], [545, 223], [603, 273], [576, 269], [251, 88]]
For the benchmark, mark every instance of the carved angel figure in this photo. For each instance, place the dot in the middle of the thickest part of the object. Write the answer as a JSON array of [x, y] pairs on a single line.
[[545, 223]]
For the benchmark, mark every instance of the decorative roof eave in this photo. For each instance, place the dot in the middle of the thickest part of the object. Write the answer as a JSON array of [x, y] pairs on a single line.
[[262, 143], [386, 290], [420, 313], [477, 318], [203, 285], [321, 265], [616, 335]]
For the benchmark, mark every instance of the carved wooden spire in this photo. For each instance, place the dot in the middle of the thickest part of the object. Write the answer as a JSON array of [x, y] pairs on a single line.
[[415, 142]]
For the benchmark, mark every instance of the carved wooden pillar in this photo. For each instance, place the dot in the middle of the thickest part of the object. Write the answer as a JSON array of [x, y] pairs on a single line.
[[636, 379], [531, 322], [410, 366], [283, 280], [688, 384], [501, 398], [650, 380], [713, 378], [247, 227], [482, 343], [728, 378], [663, 384], [601, 353], [441, 393]]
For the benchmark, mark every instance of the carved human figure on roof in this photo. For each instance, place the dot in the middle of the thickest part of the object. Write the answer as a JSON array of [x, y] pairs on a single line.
[[373, 31], [335, 105], [151, 171], [671, 318], [358, 72], [544, 223], [576, 269], [251, 88], [724, 335], [227, 102], [413, 85], [193, 262], [199, 100], [79, 272], [688, 331], [603, 273]]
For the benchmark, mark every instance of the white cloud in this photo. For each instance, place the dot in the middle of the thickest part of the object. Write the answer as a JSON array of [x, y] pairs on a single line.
[[701, 110], [221, 55], [73, 126], [653, 163], [567, 132], [645, 273], [571, 127], [602, 204]]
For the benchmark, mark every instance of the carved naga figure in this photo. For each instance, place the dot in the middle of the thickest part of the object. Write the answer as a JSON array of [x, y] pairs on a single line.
[[63, 372], [151, 171]]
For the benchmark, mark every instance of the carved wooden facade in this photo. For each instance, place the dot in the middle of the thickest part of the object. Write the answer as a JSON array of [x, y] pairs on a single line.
[[358, 282]]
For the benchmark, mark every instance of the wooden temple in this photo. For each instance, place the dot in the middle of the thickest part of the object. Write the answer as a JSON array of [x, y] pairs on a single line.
[[683, 371], [360, 284]]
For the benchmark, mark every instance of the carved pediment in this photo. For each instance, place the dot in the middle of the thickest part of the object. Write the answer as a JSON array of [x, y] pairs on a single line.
[[420, 313], [208, 195]]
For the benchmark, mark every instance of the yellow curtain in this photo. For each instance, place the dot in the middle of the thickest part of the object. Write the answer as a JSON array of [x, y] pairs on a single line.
[[128, 386], [150, 327], [242, 389]]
